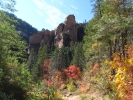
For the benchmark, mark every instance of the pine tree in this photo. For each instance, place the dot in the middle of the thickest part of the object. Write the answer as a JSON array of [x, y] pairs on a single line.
[[32, 60], [78, 57], [14, 75], [61, 58], [110, 32], [43, 54]]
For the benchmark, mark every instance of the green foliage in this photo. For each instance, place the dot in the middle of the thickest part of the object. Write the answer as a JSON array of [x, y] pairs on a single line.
[[110, 32], [37, 91], [80, 31], [61, 58], [43, 54], [8, 5], [70, 85], [83, 97], [32, 60], [26, 30], [14, 75], [10, 41], [15, 79], [40, 92], [78, 56]]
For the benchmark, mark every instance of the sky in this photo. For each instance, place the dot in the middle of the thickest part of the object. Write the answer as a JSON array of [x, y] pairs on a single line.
[[48, 14]]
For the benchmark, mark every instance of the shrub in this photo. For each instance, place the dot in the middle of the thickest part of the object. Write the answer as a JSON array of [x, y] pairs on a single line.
[[73, 72]]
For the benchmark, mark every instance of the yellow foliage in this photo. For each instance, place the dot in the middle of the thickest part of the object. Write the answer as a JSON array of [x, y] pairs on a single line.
[[124, 75], [58, 95]]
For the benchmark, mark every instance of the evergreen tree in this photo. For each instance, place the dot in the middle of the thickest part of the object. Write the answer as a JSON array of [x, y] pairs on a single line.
[[43, 54], [78, 57], [32, 60], [14, 75], [80, 31], [61, 58], [110, 29]]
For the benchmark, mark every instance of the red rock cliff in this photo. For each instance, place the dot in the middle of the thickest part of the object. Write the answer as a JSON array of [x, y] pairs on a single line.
[[56, 36]]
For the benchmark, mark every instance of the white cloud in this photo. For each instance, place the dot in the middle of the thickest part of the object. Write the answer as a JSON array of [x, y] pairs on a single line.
[[54, 15], [74, 7], [57, 1], [39, 13], [38, 3]]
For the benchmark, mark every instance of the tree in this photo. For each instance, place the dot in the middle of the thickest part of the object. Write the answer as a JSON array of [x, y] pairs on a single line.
[[97, 9], [61, 58], [43, 54], [8, 5], [109, 32], [14, 75], [107, 38], [10, 38], [26, 30], [78, 57], [80, 31], [32, 60]]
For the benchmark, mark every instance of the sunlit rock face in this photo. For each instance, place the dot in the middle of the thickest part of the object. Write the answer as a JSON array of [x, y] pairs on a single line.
[[59, 29], [66, 32], [34, 41], [70, 27], [48, 36], [61, 36], [62, 39]]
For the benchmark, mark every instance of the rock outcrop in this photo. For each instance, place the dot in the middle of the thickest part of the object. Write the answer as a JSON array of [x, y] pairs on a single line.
[[70, 27], [61, 36]]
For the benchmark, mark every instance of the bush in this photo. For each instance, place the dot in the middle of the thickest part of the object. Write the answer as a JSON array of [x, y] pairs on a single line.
[[73, 72]]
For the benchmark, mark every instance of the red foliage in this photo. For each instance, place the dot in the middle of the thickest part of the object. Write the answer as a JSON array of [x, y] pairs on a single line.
[[95, 69], [46, 62], [48, 83], [45, 69], [129, 51], [45, 72], [72, 72]]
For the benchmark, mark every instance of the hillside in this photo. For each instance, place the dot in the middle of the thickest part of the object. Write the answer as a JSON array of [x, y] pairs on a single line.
[[26, 30]]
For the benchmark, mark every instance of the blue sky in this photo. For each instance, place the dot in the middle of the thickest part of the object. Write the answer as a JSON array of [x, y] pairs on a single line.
[[48, 14]]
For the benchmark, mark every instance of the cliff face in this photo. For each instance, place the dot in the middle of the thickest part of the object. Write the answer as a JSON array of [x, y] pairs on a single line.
[[62, 35]]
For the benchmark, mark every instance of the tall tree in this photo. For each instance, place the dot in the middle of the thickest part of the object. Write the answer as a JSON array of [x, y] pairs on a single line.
[[61, 58], [43, 54], [110, 32], [32, 60], [78, 57], [14, 76]]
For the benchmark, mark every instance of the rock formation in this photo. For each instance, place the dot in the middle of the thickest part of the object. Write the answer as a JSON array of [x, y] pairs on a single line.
[[70, 27], [61, 36]]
